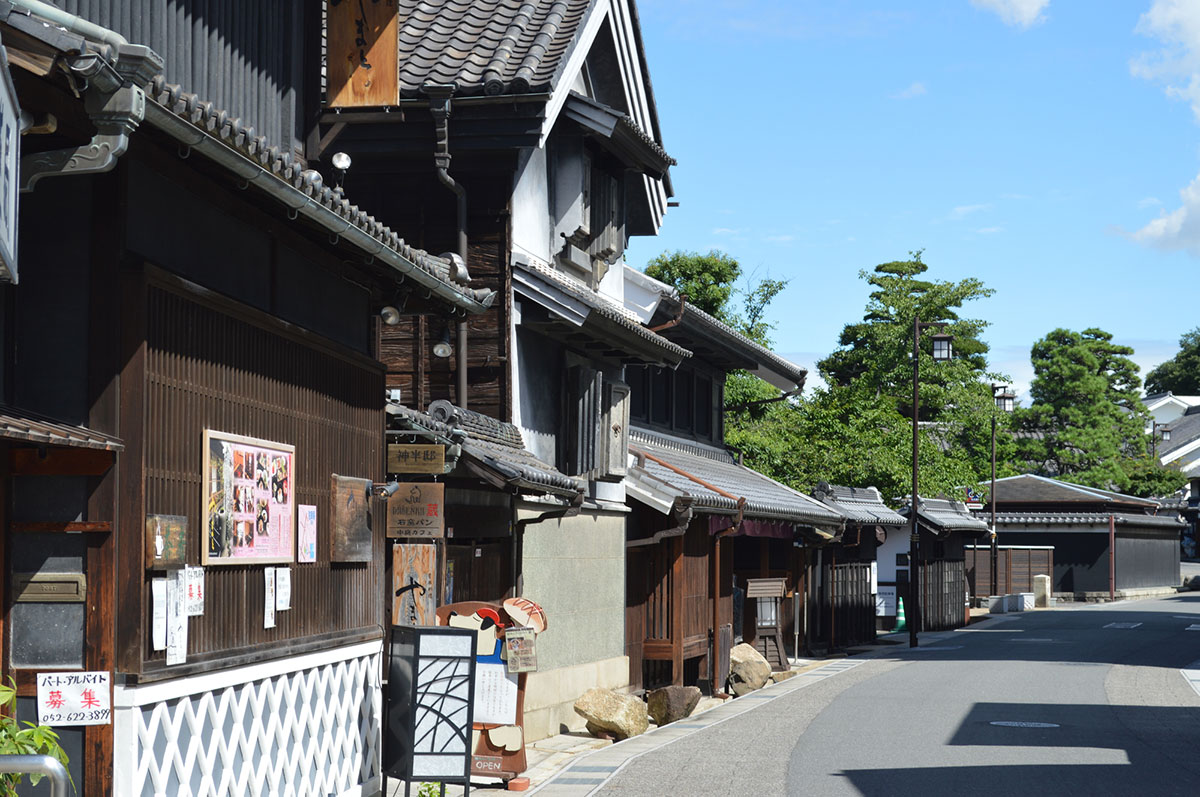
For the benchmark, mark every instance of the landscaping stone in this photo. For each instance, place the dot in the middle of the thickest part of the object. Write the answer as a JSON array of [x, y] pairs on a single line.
[[748, 670], [672, 703], [612, 713]]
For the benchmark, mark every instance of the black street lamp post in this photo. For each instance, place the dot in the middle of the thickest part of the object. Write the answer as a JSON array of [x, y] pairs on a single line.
[[1004, 403], [943, 349]]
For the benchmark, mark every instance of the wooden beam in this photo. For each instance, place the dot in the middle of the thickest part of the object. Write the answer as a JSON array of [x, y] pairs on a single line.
[[76, 526], [60, 461], [362, 52]]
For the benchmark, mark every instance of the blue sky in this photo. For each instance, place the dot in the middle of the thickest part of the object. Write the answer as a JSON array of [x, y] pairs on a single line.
[[1047, 147]]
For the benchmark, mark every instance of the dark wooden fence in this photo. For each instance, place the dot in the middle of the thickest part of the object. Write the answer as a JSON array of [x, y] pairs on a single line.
[[943, 595], [1015, 568], [853, 605]]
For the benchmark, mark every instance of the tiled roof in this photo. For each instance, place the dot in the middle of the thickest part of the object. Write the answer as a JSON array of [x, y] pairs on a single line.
[[707, 468], [861, 505], [1087, 519], [493, 444], [1029, 488], [1184, 429], [32, 427], [234, 142], [693, 315], [240, 136], [943, 516], [489, 47], [584, 109], [599, 303]]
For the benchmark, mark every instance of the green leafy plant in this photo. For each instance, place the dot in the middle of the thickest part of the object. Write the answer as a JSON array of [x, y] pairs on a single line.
[[29, 740], [429, 790]]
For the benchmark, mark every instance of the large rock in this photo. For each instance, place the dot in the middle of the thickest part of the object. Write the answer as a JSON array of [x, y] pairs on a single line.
[[748, 670], [612, 712], [672, 703]]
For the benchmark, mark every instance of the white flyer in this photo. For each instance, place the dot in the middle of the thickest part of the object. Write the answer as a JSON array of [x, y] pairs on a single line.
[[74, 698], [269, 603], [283, 589], [195, 591], [177, 622], [495, 694], [158, 613]]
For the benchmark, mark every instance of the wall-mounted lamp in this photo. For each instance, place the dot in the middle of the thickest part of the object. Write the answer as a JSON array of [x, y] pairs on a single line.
[[390, 315], [442, 348], [385, 490], [341, 164]]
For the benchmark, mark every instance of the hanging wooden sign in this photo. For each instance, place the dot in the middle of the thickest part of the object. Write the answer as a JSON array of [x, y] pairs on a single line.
[[362, 53], [166, 541], [417, 510], [412, 458]]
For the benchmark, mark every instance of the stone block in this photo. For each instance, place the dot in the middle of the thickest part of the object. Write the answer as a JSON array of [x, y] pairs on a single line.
[[1041, 592], [608, 711]]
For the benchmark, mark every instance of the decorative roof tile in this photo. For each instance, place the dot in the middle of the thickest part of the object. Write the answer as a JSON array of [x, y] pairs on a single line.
[[861, 505]]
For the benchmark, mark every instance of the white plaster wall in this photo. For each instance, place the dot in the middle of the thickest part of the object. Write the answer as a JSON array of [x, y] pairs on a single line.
[[530, 206], [885, 554], [575, 569]]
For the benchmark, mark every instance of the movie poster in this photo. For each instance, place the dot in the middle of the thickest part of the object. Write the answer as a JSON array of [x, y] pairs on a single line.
[[249, 500]]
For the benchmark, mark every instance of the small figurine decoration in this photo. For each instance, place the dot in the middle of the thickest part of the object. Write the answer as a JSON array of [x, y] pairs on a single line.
[[499, 737]]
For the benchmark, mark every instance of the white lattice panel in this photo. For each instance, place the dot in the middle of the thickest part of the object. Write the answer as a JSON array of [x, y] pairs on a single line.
[[308, 731]]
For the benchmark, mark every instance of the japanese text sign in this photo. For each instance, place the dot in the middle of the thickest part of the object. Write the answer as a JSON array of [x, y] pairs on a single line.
[[74, 698], [408, 458], [417, 510]]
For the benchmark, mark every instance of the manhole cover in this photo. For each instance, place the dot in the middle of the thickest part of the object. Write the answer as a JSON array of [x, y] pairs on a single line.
[[1020, 724]]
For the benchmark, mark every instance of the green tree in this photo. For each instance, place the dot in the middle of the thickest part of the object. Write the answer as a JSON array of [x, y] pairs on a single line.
[[1087, 422], [1180, 374], [708, 280]]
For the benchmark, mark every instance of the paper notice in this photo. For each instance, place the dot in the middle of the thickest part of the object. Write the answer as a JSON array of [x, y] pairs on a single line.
[[307, 547], [495, 695], [74, 698], [195, 591], [269, 603], [158, 613], [283, 589], [177, 627]]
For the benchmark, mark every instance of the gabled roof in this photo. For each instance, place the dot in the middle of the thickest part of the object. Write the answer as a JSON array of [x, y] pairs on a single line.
[[491, 444], [860, 505], [944, 516], [667, 469], [1184, 431], [486, 47], [1029, 488], [596, 316], [1087, 519]]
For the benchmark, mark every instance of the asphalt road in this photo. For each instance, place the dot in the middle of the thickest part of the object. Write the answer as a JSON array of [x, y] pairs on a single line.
[[1092, 705]]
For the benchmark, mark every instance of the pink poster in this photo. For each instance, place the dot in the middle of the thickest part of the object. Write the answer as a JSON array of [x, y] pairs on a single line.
[[307, 549], [249, 500]]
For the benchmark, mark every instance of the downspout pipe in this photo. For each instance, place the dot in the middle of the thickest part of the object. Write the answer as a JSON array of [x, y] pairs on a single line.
[[439, 107], [71, 22]]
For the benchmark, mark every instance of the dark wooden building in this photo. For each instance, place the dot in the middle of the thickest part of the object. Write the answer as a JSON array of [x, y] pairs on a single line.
[[844, 590], [190, 352], [1105, 543], [945, 527]]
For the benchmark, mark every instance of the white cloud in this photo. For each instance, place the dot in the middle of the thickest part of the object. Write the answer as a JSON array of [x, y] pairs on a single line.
[[1018, 13], [962, 211], [727, 231], [989, 230], [1176, 24], [1179, 229], [915, 89], [1149, 202]]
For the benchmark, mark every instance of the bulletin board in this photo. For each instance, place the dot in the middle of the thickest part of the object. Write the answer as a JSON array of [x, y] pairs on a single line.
[[248, 500]]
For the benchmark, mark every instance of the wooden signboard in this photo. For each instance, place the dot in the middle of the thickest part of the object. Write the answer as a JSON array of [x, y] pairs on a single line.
[[166, 541], [414, 580], [417, 510], [362, 54], [351, 533], [249, 503], [410, 458]]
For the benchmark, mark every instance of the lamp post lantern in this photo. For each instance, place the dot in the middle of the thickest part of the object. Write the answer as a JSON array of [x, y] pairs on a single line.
[[943, 349], [1004, 397]]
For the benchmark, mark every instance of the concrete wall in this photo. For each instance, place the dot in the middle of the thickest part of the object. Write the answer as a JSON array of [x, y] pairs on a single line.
[[574, 568]]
